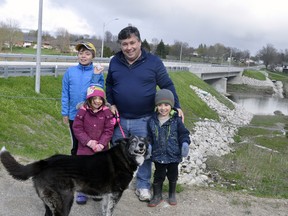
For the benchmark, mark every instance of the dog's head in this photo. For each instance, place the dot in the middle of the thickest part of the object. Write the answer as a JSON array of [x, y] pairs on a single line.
[[136, 147]]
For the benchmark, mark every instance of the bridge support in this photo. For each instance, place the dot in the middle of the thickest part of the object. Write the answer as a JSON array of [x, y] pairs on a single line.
[[219, 84]]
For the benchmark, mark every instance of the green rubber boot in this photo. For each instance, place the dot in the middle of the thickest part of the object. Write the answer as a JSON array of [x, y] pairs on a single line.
[[157, 195]]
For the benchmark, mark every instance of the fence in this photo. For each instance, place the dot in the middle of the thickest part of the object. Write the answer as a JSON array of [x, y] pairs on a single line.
[[44, 58], [14, 69]]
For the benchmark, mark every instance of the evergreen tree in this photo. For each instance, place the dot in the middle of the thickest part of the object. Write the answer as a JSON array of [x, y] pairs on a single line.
[[146, 46], [160, 50]]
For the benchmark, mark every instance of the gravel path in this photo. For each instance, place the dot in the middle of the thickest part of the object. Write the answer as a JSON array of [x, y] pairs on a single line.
[[19, 198]]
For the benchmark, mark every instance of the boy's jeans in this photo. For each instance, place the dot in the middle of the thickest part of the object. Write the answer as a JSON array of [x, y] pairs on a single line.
[[136, 127]]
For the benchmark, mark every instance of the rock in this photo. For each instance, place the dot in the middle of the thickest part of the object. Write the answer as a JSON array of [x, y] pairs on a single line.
[[211, 138]]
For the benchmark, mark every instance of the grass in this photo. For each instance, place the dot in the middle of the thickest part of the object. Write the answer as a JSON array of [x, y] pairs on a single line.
[[255, 74], [258, 171], [278, 76], [31, 123]]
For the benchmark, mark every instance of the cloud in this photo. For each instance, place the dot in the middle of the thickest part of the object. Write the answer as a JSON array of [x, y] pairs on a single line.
[[246, 24]]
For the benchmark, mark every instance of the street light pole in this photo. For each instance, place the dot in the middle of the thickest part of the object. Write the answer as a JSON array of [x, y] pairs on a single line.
[[103, 36], [39, 42], [181, 49], [230, 60]]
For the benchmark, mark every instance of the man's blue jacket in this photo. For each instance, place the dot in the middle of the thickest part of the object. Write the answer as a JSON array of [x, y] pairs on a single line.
[[132, 88]]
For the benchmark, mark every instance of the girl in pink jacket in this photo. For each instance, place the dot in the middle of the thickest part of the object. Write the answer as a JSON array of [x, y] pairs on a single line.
[[93, 126]]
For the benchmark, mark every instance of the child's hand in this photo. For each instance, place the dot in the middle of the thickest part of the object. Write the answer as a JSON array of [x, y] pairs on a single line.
[[98, 147], [185, 149], [92, 144], [98, 69]]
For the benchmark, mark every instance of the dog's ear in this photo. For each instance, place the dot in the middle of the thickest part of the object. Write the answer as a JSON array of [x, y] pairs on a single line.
[[121, 141], [148, 139]]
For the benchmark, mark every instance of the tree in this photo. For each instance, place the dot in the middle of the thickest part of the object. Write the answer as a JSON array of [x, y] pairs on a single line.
[[10, 33], [108, 37], [3, 30], [282, 57], [154, 45], [219, 51], [179, 50], [46, 36], [268, 55], [202, 51], [145, 45], [63, 40], [107, 52], [160, 50]]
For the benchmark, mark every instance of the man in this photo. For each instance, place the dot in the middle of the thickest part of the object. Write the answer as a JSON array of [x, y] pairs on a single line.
[[133, 76]]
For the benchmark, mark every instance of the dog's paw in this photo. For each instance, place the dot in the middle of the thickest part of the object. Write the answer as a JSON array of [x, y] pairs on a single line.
[[3, 149]]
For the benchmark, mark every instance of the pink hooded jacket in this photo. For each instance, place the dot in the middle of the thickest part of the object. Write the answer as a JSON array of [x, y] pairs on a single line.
[[97, 126]]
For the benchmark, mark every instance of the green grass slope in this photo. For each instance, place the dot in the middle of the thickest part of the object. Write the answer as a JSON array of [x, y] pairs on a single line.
[[31, 124]]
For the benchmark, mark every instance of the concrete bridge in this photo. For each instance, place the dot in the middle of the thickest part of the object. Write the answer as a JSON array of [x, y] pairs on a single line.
[[215, 75]]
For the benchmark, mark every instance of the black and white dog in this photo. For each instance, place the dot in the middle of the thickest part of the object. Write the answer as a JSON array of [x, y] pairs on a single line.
[[106, 173]]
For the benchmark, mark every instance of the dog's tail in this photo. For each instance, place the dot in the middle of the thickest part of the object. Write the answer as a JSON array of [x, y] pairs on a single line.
[[17, 170]]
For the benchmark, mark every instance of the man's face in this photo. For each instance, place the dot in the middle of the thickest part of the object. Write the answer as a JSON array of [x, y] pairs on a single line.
[[131, 47]]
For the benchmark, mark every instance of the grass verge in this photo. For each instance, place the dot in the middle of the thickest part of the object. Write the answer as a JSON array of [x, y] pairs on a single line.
[[259, 164]]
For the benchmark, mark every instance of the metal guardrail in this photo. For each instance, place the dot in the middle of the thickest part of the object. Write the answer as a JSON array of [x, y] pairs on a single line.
[[8, 69], [25, 64], [44, 58], [53, 65], [22, 70]]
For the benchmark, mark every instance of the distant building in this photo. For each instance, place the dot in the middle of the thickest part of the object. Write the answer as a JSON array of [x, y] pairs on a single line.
[[285, 67]]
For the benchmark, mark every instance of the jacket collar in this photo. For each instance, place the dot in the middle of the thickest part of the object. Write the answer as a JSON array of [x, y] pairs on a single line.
[[85, 67], [122, 58]]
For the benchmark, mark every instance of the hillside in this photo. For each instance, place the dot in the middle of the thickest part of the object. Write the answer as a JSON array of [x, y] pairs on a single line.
[[31, 123]]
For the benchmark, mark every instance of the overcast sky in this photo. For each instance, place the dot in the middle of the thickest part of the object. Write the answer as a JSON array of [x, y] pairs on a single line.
[[243, 24]]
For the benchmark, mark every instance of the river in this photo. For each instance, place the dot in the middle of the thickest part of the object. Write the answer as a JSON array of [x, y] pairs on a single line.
[[259, 105]]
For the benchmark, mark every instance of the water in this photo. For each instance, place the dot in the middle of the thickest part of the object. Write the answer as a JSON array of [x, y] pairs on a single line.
[[261, 105]]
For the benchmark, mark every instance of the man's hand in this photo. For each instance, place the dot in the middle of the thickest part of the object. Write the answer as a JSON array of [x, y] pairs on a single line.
[[180, 114], [114, 109]]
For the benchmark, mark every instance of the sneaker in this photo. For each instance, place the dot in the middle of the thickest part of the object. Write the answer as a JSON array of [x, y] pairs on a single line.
[[97, 198], [143, 194], [81, 199]]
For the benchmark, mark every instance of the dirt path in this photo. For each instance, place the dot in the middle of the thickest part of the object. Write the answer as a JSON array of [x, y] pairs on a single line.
[[19, 198]]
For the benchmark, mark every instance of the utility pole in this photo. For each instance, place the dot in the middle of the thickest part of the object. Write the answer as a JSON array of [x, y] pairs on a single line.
[[103, 36], [39, 43]]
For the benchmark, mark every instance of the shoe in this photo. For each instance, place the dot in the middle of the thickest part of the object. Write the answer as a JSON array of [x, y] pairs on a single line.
[[143, 194], [81, 199], [97, 198]]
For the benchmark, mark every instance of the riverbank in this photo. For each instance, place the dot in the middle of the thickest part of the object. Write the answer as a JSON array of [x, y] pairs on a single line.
[[275, 85], [211, 139]]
